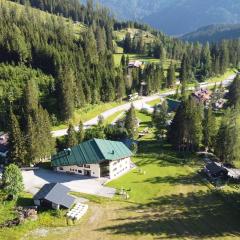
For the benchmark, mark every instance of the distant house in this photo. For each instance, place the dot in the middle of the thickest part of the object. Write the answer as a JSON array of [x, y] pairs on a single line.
[[94, 158], [54, 195], [135, 64], [3, 144], [215, 170], [202, 95]]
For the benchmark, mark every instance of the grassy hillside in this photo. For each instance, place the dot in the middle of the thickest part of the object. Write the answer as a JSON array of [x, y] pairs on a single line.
[[77, 27]]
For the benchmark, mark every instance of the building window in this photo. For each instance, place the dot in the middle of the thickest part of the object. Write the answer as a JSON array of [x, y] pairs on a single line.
[[80, 171], [81, 165], [87, 166], [61, 168]]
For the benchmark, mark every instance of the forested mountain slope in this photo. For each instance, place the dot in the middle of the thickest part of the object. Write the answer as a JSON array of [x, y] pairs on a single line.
[[177, 17], [214, 33]]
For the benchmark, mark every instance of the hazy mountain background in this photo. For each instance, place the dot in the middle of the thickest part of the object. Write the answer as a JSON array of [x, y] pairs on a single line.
[[177, 17], [214, 33]]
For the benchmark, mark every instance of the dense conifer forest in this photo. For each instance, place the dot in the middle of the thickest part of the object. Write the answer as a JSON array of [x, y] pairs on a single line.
[[52, 64]]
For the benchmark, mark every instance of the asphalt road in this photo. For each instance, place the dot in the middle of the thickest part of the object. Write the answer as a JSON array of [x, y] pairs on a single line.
[[138, 104]]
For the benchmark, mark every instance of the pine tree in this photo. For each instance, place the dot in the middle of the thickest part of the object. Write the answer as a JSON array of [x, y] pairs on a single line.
[[131, 123], [159, 118], [32, 142], [121, 91], [71, 138], [209, 128], [46, 141], [186, 130], [30, 96], [81, 132], [234, 92], [171, 77], [206, 61], [227, 146], [123, 61], [65, 93], [224, 57], [17, 151], [127, 45], [162, 53]]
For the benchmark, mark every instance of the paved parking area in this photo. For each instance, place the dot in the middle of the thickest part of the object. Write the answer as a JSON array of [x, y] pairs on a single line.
[[35, 179]]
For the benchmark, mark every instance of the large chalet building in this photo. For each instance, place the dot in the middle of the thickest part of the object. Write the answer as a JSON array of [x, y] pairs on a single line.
[[94, 158]]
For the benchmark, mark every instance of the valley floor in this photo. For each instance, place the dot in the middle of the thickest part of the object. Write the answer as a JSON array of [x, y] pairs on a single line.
[[168, 199]]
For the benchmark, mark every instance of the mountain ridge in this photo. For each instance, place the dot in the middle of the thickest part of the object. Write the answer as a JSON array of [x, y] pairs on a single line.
[[176, 17], [213, 33]]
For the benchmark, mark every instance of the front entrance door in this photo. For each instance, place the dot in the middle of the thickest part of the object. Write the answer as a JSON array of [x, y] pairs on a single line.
[[87, 172]]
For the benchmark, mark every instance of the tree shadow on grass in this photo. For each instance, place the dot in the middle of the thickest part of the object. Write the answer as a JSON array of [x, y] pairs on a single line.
[[196, 215], [152, 152], [193, 179]]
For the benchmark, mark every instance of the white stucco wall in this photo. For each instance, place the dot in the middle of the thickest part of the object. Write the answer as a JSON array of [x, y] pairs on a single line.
[[94, 168], [116, 168], [119, 167]]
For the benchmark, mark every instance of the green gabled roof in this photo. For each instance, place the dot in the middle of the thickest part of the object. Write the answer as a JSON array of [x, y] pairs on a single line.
[[91, 152]]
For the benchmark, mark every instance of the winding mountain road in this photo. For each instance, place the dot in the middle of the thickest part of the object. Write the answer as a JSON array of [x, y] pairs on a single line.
[[138, 104]]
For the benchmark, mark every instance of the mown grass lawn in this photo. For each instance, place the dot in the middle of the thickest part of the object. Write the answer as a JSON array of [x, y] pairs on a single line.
[[144, 58]]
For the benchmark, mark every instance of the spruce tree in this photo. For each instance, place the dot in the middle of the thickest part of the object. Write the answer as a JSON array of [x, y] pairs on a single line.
[[17, 151], [234, 92], [81, 132], [71, 138], [33, 145], [227, 146], [131, 123], [159, 118], [127, 45], [171, 77], [206, 61], [30, 96], [209, 128], [65, 92]]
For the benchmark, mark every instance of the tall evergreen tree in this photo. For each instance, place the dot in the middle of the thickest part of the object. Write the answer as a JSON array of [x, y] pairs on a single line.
[[127, 45], [17, 151], [209, 128], [206, 61], [227, 146], [131, 122], [159, 118], [71, 138], [234, 92], [81, 132], [186, 130], [65, 93], [171, 76]]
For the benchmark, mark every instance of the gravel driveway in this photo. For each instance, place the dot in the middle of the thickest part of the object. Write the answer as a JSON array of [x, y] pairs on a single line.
[[34, 180]]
